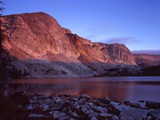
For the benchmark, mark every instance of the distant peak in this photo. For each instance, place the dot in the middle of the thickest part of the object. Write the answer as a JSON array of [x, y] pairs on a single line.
[[150, 52]]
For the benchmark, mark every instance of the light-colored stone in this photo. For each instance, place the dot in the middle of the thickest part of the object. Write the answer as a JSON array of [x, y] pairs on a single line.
[[34, 115]]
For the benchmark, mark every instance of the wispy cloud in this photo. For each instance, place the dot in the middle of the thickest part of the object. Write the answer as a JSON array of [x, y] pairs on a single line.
[[121, 40], [97, 31]]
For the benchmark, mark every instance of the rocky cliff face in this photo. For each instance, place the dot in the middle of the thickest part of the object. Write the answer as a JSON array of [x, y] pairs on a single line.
[[40, 47], [150, 64], [146, 60]]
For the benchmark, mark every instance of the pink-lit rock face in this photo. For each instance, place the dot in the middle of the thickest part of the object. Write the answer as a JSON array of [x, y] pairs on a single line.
[[37, 34], [44, 48], [146, 60]]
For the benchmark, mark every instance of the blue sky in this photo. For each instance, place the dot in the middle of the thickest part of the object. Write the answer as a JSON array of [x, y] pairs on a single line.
[[135, 23]]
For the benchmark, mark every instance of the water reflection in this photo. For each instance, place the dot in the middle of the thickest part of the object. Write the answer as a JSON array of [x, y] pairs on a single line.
[[119, 88]]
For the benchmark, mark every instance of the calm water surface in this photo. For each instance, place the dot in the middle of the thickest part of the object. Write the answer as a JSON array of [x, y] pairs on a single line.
[[117, 88]]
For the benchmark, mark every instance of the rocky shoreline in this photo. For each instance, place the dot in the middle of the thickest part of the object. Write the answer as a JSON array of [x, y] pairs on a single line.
[[20, 106]]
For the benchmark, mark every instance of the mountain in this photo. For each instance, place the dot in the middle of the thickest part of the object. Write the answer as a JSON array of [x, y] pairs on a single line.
[[150, 64], [147, 52], [146, 60], [37, 46]]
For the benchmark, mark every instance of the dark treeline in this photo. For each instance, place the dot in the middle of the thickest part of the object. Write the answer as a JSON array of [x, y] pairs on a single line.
[[3, 61], [151, 71]]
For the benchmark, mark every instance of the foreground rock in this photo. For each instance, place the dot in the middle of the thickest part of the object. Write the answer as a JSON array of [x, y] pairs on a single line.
[[85, 107], [67, 107]]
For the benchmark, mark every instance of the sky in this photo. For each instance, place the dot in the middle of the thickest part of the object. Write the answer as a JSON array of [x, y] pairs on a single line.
[[135, 23]]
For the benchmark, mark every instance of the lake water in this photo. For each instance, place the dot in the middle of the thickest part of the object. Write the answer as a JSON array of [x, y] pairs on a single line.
[[117, 88]]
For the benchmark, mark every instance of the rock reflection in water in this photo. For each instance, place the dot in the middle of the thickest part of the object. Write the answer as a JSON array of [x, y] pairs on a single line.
[[114, 89]]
